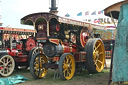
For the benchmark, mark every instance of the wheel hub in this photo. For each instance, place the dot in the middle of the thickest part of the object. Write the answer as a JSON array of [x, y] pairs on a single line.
[[96, 55], [66, 66], [69, 65]]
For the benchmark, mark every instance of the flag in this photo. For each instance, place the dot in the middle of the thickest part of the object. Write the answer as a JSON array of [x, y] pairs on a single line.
[[79, 14], [101, 12], [67, 15], [87, 13], [93, 13]]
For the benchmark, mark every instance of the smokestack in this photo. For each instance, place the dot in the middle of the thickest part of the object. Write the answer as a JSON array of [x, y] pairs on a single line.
[[53, 8]]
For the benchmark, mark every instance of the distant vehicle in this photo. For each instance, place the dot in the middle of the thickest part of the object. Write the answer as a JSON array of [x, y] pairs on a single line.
[[16, 49]]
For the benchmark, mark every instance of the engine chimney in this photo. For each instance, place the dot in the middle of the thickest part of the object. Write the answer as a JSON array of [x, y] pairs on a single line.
[[53, 8]]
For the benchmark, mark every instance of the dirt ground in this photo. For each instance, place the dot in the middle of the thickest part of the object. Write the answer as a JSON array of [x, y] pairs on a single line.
[[83, 78]]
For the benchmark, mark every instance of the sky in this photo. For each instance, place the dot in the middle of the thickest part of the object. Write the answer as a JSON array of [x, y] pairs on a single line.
[[13, 10]]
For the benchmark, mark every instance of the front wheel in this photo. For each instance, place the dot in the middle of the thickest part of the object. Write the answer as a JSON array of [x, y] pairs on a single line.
[[7, 65], [34, 51], [95, 53], [36, 66], [66, 67]]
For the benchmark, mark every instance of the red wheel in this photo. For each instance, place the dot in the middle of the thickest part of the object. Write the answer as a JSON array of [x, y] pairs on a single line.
[[30, 43], [82, 36]]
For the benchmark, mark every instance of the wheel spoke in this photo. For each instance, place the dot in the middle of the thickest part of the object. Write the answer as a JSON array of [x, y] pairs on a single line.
[[7, 59], [94, 62], [36, 72], [1, 65], [43, 62], [70, 62], [68, 74], [4, 61], [67, 59], [64, 66], [101, 53], [8, 62], [97, 57], [34, 52], [97, 47], [100, 61], [94, 49], [10, 65], [97, 66], [64, 72], [8, 69], [1, 61]]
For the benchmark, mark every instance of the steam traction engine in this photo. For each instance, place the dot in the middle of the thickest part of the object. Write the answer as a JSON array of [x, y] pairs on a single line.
[[66, 46], [16, 49]]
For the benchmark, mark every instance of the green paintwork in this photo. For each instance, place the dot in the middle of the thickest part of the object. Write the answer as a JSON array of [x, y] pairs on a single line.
[[120, 56]]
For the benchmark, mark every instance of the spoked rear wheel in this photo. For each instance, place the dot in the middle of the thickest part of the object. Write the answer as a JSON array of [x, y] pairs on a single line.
[[95, 55], [66, 67], [7, 65], [36, 66]]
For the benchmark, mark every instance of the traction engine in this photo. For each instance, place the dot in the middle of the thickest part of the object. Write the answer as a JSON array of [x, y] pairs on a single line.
[[67, 46], [14, 52]]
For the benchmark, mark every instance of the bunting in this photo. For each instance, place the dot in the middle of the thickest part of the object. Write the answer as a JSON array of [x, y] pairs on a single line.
[[93, 13], [86, 13], [79, 14], [101, 12], [67, 15]]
